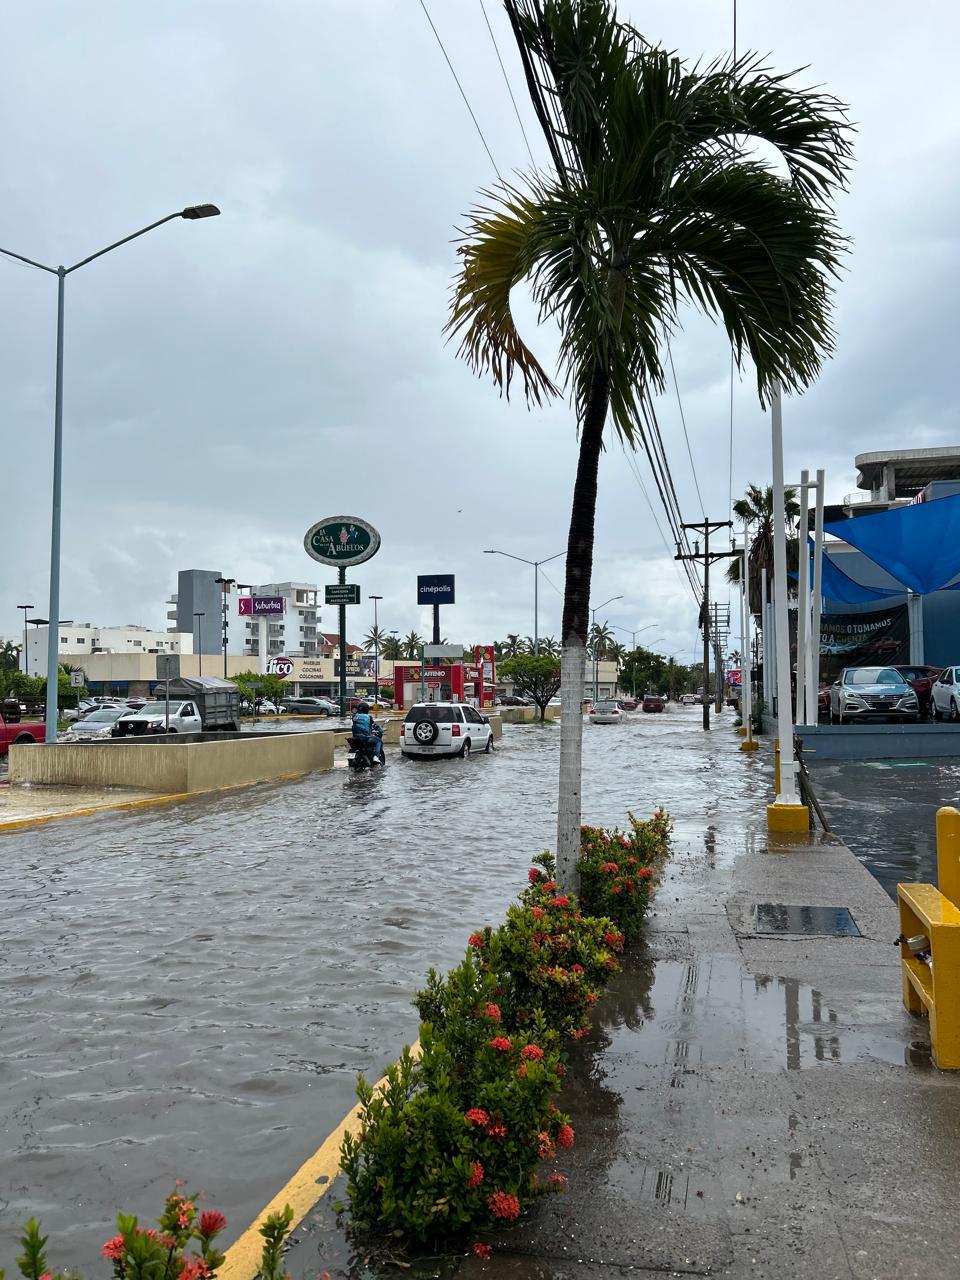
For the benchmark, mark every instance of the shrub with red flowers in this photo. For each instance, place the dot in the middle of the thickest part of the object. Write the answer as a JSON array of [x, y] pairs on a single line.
[[616, 869], [451, 1143]]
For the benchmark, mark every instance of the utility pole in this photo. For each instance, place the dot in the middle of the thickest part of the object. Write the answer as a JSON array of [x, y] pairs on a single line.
[[706, 527]]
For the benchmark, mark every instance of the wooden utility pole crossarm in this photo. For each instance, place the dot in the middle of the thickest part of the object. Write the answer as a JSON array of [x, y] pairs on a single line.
[[706, 556]]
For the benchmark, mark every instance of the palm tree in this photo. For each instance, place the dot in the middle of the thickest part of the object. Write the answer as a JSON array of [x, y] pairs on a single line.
[[650, 207], [600, 637], [756, 508], [617, 652], [411, 645], [9, 655], [374, 639], [392, 649], [513, 646], [549, 647]]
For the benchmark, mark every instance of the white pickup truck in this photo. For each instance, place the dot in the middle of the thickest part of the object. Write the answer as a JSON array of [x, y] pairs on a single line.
[[184, 718]]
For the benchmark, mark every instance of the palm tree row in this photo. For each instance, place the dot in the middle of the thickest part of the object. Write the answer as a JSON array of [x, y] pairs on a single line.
[[756, 509]]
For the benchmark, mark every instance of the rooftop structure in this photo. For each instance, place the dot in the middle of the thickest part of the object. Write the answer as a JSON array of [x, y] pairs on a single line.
[[904, 473]]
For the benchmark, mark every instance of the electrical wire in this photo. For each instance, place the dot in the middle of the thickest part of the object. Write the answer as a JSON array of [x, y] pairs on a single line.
[[506, 81], [683, 423], [462, 93]]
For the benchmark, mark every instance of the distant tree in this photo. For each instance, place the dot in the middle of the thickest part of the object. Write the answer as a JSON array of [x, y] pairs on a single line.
[[512, 646], [392, 649], [256, 688], [642, 671], [617, 652], [600, 638], [533, 677], [10, 656], [412, 645], [550, 646], [387, 691], [756, 508], [374, 639]]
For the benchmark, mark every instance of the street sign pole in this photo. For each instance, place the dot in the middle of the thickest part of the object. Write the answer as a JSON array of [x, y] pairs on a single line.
[[423, 677], [342, 579], [436, 624]]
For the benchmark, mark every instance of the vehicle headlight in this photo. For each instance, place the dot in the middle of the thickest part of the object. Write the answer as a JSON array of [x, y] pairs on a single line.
[[854, 699]]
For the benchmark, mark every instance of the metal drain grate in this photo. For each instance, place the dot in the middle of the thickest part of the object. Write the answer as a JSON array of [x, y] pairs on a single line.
[[829, 922]]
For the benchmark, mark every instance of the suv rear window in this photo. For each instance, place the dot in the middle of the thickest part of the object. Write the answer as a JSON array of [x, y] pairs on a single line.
[[442, 715]]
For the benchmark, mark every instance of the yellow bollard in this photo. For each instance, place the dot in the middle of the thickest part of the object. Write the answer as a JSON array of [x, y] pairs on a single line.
[[948, 853]]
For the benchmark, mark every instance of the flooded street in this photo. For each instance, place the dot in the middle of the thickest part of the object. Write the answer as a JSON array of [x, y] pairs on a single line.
[[190, 991]]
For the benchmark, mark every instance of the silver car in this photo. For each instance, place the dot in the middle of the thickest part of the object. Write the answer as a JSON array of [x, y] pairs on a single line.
[[95, 726], [861, 693]]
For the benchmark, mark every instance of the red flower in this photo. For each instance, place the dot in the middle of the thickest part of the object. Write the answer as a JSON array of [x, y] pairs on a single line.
[[614, 940], [615, 889], [560, 901], [480, 1250], [476, 939], [625, 842], [565, 1136], [212, 1222], [645, 873], [576, 968], [476, 1175], [477, 1116], [591, 997], [579, 1033], [532, 1051], [557, 1181], [534, 874], [610, 963], [114, 1248], [501, 1044], [545, 1148], [504, 1205], [522, 1070], [194, 1269], [537, 913], [497, 1131], [548, 886], [492, 1011], [609, 868]]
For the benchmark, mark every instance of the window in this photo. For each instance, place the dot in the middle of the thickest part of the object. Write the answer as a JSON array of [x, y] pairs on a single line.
[[432, 711], [947, 676], [80, 640], [472, 716]]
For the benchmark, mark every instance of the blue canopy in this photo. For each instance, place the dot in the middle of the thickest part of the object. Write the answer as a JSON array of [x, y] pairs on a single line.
[[919, 545], [837, 585]]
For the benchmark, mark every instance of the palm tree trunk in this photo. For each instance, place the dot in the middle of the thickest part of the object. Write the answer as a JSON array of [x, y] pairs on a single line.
[[576, 617]]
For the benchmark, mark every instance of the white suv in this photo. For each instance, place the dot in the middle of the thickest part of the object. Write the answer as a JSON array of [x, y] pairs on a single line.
[[445, 729]]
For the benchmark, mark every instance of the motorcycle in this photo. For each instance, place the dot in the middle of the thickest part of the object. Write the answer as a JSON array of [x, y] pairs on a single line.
[[364, 753]]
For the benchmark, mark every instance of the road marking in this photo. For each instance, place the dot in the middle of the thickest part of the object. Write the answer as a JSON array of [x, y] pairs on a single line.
[[14, 824], [308, 1185]]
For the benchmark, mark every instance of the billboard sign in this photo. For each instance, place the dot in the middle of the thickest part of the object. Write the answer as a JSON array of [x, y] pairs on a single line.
[[874, 639], [168, 666], [359, 666], [280, 666], [261, 606], [341, 593], [435, 588], [339, 541]]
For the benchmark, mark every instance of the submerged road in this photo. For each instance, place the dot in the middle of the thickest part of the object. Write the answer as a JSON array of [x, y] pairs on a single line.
[[190, 991]]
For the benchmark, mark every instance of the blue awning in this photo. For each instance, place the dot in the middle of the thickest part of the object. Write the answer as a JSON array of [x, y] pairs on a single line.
[[837, 585], [919, 545]]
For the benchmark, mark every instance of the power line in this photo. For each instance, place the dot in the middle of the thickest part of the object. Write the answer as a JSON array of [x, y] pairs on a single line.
[[460, 87], [506, 81], [683, 423]]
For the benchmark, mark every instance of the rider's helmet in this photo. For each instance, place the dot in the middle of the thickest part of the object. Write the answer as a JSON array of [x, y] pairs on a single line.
[[363, 709]]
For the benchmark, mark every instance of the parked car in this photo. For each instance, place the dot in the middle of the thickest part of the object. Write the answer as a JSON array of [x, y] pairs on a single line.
[[945, 694], [653, 702], [445, 729], [12, 731], [628, 704], [310, 707], [862, 692], [920, 679], [688, 700], [606, 711], [184, 718], [513, 700], [96, 725], [84, 706]]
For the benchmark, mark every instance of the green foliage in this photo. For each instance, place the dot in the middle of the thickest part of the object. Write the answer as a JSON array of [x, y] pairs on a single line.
[[537, 678], [275, 1231], [617, 869], [254, 686], [9, 656], [387, 691]]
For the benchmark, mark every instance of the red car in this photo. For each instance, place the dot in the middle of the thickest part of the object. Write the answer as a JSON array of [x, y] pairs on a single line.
[[921, 679], [628, 704], [652, 702]]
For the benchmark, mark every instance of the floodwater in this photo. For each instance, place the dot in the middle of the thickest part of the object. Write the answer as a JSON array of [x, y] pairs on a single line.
[[885, 811], [190, 991]]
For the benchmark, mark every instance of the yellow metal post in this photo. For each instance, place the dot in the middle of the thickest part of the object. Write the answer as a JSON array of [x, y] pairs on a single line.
[[948, 853]]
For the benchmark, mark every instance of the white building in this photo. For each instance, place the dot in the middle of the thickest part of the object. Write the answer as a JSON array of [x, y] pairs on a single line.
[[197, 607], [78, 640], [294, 632]]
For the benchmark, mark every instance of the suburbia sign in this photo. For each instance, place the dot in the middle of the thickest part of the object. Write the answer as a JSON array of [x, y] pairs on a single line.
[[341, 541], [261, 606]]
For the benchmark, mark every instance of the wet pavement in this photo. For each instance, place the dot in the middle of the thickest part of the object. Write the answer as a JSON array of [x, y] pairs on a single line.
[[189, 991], [885, 811]]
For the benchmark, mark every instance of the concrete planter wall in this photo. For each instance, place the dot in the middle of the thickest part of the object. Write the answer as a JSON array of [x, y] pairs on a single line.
[[173, 768]]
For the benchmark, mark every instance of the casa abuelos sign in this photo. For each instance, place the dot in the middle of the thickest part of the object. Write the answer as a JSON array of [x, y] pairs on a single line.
[[341, 541]]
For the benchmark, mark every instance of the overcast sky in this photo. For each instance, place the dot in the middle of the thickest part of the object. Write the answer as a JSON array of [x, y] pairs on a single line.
[[229, 382]]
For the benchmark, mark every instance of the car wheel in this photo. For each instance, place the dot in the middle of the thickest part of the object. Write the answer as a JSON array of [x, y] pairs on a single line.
[[425, 732], [840, 719], [489, 747], [935, 712], [465, 750], [954, 710]]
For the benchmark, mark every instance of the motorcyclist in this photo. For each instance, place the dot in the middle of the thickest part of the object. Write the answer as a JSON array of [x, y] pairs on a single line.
[[367, 732]]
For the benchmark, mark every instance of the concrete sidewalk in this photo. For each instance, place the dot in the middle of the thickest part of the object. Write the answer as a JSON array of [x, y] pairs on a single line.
[[753, 1105]]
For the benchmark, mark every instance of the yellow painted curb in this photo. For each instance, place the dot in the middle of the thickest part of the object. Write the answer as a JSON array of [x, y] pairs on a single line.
[[144, 802], [309, 1184], [750, 744], [788, 818]]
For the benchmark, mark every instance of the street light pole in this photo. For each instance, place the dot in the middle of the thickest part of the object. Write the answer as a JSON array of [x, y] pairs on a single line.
[[191, 213], [536, 588], [376, 649], [225, 585], [26, 656], [633, 648], [199, 628], [596, 660]]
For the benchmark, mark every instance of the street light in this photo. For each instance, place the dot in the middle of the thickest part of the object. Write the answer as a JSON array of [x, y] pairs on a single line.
[[26, 657], [376, 648], [225, 585], [198, 627], [596, 660], [536, 587], [633, 646], [191, 213]]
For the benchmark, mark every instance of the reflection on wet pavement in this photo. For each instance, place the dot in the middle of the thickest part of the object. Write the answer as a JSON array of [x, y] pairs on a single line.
[[189, 991]]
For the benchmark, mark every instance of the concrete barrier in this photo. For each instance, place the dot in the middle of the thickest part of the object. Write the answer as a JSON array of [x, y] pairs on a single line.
[[173, 768], [879, 741]]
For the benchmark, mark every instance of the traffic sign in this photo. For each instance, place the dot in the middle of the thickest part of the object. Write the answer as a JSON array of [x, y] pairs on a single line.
[[76, 679], [341, 541], [341, 593], [168, 666]]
